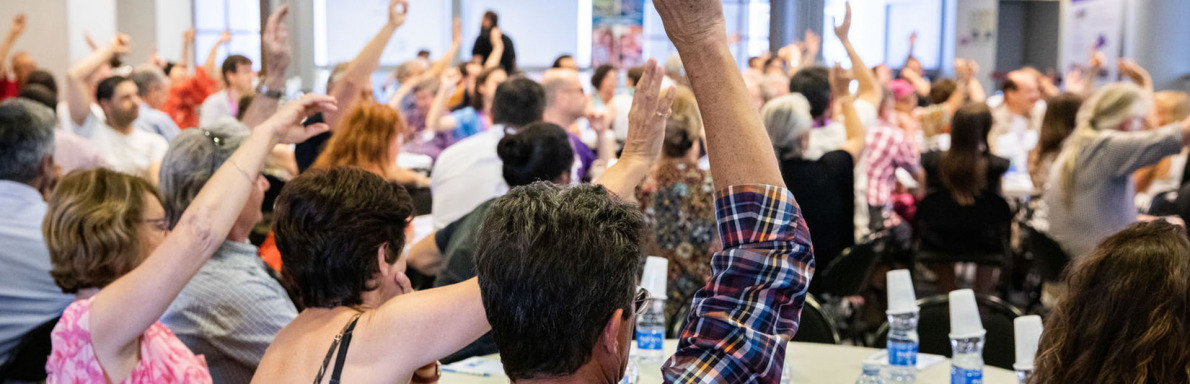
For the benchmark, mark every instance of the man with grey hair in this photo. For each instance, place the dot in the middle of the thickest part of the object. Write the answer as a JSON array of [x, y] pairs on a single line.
[[153, 88], [565, 105], [28, 296], [231, 310]]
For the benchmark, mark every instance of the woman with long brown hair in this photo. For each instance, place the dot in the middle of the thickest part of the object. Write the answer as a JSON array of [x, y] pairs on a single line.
[[370, 138], [1126, 313], [963, 213]]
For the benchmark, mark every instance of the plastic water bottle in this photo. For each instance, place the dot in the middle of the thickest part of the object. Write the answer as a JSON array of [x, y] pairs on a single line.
[[650, 332], [902, 347], [966, 339], [902, 335], [1027, 332], [650, 323], [871, 373], [966, 366]]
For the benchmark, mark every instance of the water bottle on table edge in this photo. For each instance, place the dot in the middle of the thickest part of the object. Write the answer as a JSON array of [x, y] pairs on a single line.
[[966, 339], [871, 373], [650, 323], [902, 335], [1027, 332]]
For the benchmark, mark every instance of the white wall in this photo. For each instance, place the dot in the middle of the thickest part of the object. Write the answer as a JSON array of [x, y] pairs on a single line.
[[540, 29], [1160, 41], [974, 19], [138, 19], [97, 17], [173, 18]]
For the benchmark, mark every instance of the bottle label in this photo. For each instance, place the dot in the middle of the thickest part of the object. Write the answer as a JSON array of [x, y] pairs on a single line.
[[965, 376], [649, 339], [902, 353]]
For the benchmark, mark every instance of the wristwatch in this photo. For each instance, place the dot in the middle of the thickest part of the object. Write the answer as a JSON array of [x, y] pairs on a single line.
[[417, 379], [265, 91]]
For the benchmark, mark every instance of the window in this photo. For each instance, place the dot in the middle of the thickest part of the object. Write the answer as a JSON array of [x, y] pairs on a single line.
[[240, 17], [880, 31]]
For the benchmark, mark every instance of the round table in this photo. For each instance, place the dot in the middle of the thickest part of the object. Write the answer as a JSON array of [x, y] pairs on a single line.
[[810, 363]]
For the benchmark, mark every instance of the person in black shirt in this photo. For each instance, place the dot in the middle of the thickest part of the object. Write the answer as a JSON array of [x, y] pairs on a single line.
[[483, 44], [824, 187], [963, 215]]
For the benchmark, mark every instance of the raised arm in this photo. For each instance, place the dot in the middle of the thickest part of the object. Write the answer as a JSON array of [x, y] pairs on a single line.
[[974, 88], [14, 32], [358, 74], [456, 39], [275, 39], [115, 324], [188, 50], [209, 65], [869, 86], [497, 54], [646, 131], [437, 119], [840, 86], [737, 142], [78, 93], [812, 43], [740, 322]]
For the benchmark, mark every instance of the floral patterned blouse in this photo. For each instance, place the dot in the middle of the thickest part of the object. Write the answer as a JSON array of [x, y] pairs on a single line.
[[163, 358], [681, 212]]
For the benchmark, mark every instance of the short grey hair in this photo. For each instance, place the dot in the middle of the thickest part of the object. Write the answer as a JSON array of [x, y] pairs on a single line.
[[147, 79], [26, 138], [787, 119], [191, 160]]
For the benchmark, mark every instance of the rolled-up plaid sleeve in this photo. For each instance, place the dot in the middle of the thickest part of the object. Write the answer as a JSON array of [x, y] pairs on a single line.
[[741, 321]]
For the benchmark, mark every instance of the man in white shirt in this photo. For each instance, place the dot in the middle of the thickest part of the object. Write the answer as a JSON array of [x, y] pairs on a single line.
[[123, 147], [1017, 121], [28, 295], [225, 104], [470, 172]]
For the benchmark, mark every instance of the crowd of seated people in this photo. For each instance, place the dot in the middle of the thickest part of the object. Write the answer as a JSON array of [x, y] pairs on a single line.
[[134, 201]]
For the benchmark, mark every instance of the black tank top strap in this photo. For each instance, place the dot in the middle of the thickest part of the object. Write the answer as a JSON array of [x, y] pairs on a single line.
[[342, 340]]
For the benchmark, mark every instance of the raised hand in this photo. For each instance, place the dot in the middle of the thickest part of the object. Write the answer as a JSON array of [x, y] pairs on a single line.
[[18, 26], [647, 117], [840, 80], [450, 78], [286, 124], [1135, 72], [276, 43], [188, 36], [456, 31], [692, 21], [224, 38], [120, 44], [843, 29], [812, 42], [397, 10]]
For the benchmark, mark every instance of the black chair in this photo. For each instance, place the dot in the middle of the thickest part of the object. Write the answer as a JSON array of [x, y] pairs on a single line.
[[933, 329], [1049, 260], [27, 361], [816, 326], [951, 232], [847, 274]]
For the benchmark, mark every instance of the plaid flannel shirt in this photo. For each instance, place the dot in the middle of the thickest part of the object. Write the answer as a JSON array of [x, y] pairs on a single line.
[[740, 323]]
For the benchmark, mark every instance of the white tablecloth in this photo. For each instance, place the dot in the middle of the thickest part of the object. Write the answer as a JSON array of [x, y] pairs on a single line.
[[810, 363]]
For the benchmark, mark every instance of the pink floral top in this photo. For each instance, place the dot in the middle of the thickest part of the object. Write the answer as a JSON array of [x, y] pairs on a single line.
[[163, 358]]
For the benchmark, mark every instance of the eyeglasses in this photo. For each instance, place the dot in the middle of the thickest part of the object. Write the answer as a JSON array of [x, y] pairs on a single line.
[[642, 298], [161, 224]]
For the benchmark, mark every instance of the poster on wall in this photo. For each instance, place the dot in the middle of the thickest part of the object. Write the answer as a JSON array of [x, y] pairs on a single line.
[[1093, 24], [617, 36]]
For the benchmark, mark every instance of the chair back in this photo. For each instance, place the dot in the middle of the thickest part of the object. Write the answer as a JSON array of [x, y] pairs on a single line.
[[1049, 259], [933, 329], [948, 227], [816, 326], [848, 274], [27, 361]]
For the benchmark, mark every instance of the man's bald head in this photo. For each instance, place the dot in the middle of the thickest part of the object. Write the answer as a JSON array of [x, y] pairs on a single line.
[[564, 96], [1021, 91]]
